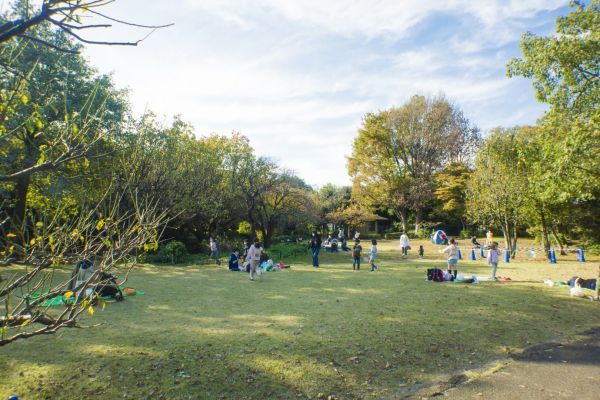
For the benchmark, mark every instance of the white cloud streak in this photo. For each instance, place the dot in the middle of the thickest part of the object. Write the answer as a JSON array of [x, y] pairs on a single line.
[[297, 76]]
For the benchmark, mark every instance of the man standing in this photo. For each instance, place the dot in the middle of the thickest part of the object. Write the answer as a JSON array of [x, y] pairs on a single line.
[[214, 251], [315, 247]]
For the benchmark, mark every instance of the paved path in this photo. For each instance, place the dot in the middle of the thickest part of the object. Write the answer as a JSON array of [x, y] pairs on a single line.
[[569, 370]]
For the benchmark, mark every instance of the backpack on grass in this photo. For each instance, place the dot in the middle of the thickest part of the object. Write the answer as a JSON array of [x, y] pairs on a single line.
[[435, 275]]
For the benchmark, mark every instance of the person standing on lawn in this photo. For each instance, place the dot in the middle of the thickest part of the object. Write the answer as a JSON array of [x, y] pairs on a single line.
[[315, 247], [373, 255], [356, 250], [214, 251], [452, 251], [254, 254], [404, 243], [493, 257]]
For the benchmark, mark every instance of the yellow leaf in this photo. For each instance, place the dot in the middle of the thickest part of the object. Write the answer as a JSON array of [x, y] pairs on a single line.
[[27, 320], [32, 242], [11, 235], [68, 295], [75, 233], [100, 225], [24, 99], [91, 310], [39, 224]]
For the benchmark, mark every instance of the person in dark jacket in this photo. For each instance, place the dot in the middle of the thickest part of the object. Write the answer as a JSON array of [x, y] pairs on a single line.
[[315, 247], [234, 261]]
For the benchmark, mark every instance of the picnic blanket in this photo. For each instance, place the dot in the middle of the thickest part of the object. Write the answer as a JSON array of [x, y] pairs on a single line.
[[61, 300]]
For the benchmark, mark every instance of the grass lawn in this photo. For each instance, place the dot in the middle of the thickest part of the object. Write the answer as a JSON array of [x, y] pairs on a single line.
[[203, 332]]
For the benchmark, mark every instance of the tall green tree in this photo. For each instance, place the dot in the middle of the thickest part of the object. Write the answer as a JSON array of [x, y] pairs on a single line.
[[565, 70], [57, 112], [497, 190], [399, 151], [451, 192], [564, 155]]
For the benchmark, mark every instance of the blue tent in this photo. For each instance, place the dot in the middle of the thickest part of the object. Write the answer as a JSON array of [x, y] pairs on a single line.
[[439, 237]]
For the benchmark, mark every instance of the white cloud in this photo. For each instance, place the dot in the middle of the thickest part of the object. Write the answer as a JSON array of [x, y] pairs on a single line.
[[296, 77], [371, 18]]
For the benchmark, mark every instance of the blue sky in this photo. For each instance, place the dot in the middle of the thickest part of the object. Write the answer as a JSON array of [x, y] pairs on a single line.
[[296, 77]]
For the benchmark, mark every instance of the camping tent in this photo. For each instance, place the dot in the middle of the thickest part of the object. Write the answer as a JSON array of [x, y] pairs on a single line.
[[439, 237]]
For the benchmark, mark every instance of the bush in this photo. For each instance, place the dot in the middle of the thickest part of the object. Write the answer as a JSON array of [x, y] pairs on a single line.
[[287, 250], [172, 252], [465, 234]]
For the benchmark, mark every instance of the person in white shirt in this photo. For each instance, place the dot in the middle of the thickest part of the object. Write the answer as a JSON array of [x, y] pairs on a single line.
[[373, 255], [254, 257], [404, 243], [452, 251], [214, 251]]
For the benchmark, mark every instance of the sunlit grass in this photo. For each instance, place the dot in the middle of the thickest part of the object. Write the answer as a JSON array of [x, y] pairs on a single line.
[[204, 332]]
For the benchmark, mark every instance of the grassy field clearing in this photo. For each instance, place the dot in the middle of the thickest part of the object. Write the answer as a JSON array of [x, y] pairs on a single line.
[[203, 332]]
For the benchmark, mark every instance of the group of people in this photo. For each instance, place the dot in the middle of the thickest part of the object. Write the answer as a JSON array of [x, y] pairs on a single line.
[[494, 254], [253, 254], [315, 248], [250, 259]]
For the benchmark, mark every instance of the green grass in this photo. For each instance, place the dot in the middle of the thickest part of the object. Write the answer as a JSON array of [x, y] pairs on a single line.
[[203, 332]]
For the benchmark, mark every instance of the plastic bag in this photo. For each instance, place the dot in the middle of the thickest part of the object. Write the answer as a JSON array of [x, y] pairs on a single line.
[[576, 291]]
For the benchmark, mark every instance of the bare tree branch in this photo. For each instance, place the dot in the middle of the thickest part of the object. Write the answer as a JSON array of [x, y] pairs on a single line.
[[71, 11]]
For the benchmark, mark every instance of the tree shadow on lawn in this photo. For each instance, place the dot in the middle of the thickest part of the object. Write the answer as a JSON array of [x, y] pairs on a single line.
[[211, 334]]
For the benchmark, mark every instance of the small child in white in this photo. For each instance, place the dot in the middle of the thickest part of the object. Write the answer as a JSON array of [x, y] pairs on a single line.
[[493, 257], [373, 255]]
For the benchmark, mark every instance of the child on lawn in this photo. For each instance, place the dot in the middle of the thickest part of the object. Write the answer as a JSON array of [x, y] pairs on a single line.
[[254, 254], [493, 257], [373, 255], [421, 251], [356, 249], [452, 251]]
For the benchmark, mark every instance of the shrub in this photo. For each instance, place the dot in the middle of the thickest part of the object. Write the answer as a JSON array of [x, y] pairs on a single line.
[[287, 250], [465, 234], [172, 252]]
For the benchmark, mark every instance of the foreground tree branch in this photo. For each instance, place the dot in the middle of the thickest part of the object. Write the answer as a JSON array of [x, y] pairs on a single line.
[[107, 234], [71, 16]]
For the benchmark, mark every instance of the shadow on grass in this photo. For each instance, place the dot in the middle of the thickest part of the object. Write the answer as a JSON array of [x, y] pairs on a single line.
[[202, 332]]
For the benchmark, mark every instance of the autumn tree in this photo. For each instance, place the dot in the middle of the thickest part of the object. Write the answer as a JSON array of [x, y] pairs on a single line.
[[451, 191], [399, 151]]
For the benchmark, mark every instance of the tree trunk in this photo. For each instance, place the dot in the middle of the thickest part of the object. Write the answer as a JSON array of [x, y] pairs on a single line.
[[506, 232], [560, 243], [21, 190], [514, 243], [545, 240], [403, 220], [418, 218], [266, 236]]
